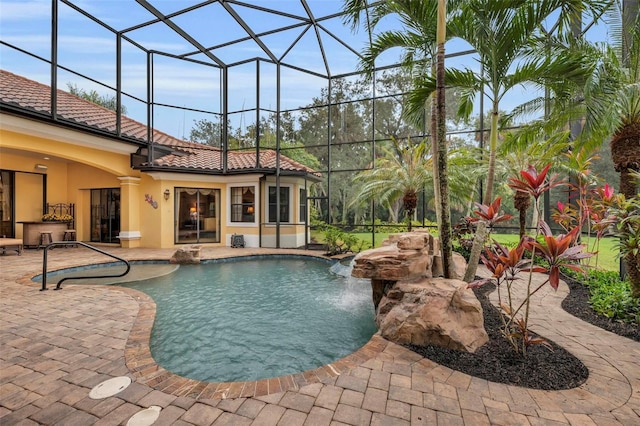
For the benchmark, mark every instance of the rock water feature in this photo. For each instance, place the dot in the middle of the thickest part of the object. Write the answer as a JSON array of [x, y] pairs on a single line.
[[413, 304], [187, 255]]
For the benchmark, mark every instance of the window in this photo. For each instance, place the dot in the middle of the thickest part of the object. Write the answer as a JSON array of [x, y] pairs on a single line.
[[243, 204], [197, 218], [284, 204], [303, 205]]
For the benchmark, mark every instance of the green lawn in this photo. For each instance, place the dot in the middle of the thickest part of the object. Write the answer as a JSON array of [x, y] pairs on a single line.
[[605, 259]]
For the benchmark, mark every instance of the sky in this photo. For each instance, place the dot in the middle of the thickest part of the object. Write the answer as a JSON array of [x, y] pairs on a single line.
[[90, 49]]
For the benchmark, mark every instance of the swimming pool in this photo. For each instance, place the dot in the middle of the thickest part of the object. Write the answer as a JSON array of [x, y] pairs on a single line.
[[254, 318]]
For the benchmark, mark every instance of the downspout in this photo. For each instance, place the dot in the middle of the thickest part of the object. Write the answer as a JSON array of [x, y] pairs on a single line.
[[44, 193]]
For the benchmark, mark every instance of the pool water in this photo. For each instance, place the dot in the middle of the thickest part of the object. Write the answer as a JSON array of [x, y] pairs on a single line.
[[258, 318]]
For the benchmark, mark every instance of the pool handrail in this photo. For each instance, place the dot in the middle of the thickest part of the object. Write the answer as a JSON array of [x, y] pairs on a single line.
[[69, 243]]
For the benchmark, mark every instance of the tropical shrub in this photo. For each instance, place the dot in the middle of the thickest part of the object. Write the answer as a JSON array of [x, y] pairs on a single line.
[[462, 235], [339, 241], [623, 221], [610, 296], [506, 264]]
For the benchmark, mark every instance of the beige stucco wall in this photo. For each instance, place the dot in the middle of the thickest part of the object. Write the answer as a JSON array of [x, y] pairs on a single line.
[[169, 219], [291, 234], [73, 170]]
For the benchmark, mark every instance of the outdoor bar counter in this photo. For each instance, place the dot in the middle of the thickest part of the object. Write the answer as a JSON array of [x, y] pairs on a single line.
[[31, 232]]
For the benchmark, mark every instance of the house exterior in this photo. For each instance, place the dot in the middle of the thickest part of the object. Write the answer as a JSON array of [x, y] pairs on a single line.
[[84, 160]]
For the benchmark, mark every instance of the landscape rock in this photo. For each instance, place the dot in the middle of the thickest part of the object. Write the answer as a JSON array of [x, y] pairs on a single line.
[[432, 311], [413, 307], [379, 289], [459, 266], [188, 255], [390, 263], [407, 255]]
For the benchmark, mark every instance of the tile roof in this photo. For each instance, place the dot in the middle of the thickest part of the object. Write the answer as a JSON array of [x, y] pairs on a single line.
[[190, 156]]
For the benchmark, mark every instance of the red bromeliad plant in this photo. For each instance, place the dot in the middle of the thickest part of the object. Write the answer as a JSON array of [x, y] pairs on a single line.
[[565, 215], [560, 251], [534, 183], [605, 193], [505, 265], [490, 214], [601, 200]]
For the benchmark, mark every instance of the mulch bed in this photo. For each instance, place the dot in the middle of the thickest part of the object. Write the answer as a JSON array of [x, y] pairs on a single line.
[[577, 304], [541, 369]]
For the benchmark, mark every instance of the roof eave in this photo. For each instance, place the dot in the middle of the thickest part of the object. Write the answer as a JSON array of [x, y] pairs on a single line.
[[84, 128], [212, 172]]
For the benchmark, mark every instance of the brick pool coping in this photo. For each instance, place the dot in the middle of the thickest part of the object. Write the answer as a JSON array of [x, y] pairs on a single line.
[[53, 354], [144, 368]]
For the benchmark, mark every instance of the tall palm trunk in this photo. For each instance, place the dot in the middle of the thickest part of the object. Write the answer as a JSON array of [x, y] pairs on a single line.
[[434, 151], [481, 231], [493, 148], [633, 273], [445, 214], [522, 202], [410, 202], [625, 152]]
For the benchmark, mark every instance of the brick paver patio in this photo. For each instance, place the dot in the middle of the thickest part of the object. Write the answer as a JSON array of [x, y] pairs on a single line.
[[57, 345]]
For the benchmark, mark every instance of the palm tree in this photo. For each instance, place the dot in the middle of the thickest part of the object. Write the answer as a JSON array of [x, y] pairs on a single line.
[[612, 99], [440, 142], [422, 37], [612, 106], [607, 102], [395, 177], [501, 32], [417, 40]]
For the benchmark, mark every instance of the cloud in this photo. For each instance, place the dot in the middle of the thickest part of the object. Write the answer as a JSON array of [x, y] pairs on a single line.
[[25, 10], [82, 44]]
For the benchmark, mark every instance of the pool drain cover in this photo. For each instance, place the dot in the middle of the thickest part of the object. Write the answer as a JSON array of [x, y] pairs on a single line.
[[110, 387], [145, 417]]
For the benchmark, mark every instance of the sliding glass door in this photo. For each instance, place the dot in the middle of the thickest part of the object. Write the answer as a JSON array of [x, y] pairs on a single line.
[[197, 215], [6, 204], [105, 215]]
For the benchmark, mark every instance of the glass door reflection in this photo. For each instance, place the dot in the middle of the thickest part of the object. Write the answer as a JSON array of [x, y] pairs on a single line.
[[197, 215]]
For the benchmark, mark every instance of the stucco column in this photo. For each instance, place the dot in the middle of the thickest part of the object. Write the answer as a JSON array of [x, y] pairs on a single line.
[[129, 211]]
